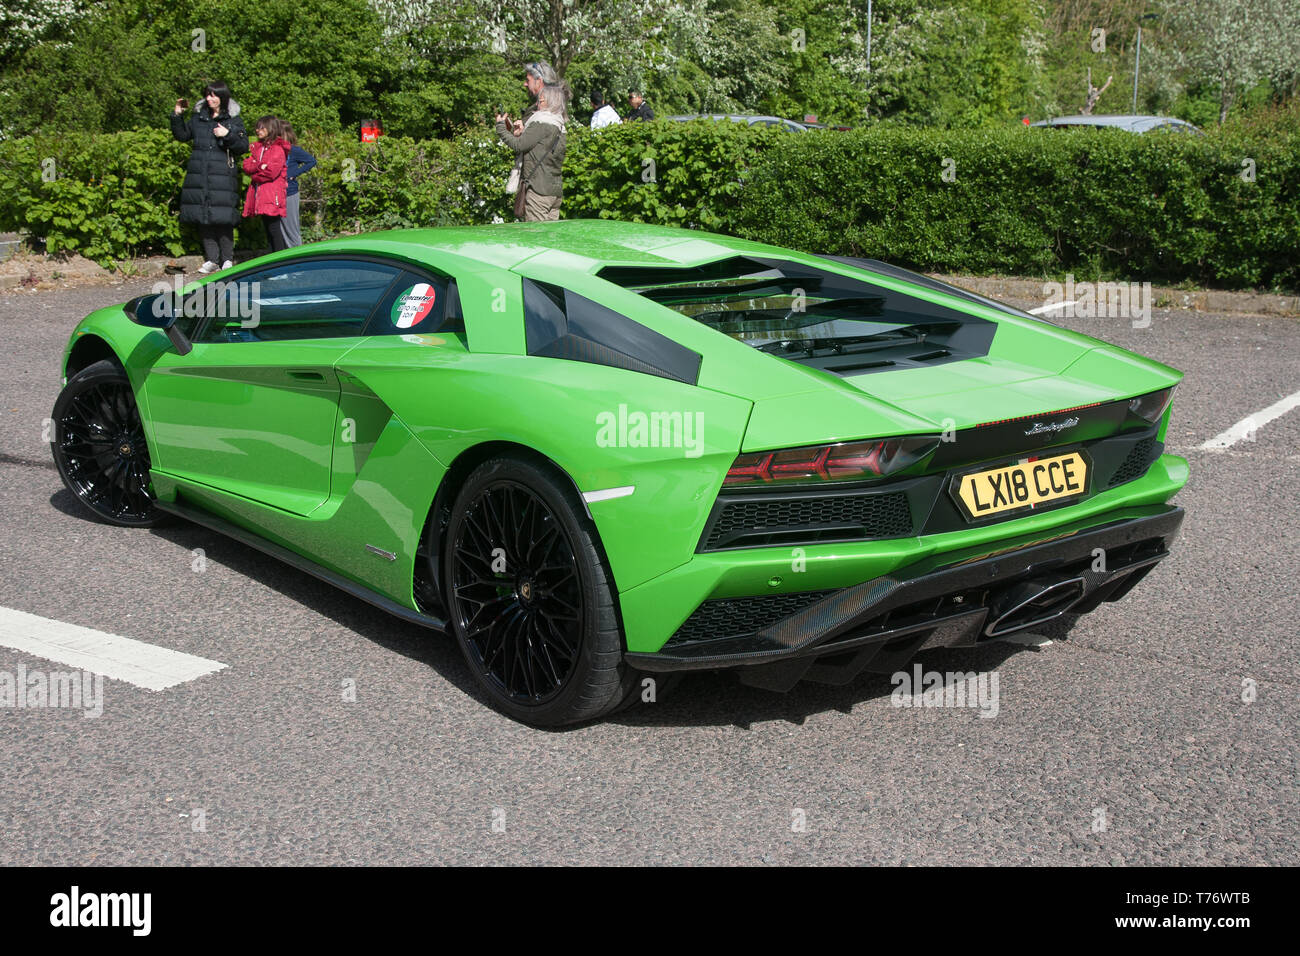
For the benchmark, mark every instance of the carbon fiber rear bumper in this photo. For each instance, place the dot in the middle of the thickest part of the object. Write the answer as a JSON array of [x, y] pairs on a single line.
[[957, 598]]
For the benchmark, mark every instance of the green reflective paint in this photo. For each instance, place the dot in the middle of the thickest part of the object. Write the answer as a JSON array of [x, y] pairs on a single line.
[[325, 446], [258, 418]]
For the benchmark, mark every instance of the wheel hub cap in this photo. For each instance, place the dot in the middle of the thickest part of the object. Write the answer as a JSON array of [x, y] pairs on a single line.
[[102, 452], [523, 620]]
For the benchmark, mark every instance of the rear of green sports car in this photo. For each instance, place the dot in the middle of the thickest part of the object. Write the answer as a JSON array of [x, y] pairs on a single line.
[[594, 451], [918, 467]]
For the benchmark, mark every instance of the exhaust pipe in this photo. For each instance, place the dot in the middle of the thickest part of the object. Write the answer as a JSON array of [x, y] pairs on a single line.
[[1032, 602]]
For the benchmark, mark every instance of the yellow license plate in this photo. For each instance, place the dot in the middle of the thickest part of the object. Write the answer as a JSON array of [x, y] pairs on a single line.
[[1023, 485]]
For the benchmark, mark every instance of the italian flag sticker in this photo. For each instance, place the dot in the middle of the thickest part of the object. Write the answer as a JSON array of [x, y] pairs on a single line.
[[413, 305]]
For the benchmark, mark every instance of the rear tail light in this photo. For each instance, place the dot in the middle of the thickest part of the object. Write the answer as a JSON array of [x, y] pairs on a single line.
[[847, 461], [1150, 408]]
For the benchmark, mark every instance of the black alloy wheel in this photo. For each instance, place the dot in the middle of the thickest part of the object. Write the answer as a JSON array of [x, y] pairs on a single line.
[[99, 446], [530, 599]]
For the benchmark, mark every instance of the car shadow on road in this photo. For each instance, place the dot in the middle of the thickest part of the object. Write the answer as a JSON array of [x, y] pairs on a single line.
[[698, 699], [720, 699], [432, 648], [422, 644]]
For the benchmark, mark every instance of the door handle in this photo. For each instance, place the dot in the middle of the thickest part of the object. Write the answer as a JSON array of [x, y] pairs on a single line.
[[306, 376]]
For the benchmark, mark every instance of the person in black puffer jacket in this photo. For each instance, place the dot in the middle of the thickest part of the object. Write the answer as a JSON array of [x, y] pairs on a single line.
[[210, 194]]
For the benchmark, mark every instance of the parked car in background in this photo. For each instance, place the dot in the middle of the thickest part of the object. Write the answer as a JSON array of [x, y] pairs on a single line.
[[785, 124], [1132, 123]]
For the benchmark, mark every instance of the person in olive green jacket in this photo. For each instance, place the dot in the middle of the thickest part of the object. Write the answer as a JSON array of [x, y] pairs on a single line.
[[541, 145]]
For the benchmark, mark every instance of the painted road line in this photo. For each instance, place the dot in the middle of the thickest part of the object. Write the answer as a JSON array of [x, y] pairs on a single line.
[[1055, 305], [117, 658], [1246, 428]]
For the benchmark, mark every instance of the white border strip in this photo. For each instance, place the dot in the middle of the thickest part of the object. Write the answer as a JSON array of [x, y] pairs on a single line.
[[1246, 428], [117, 658], [607, 493]]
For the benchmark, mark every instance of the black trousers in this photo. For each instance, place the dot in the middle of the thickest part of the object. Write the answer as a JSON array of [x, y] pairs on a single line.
[[275, 232], [218, 243]]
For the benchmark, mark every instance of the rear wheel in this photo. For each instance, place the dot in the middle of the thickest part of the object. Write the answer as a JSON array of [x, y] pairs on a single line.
[[99, 446], [530, 599]]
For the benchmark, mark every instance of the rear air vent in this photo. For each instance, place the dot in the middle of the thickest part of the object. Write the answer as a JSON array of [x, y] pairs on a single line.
[[1136, 464], [728, 618], [755, 521], [841, 324]]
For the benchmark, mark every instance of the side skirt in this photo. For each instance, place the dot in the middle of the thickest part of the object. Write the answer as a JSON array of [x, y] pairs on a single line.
[[221, 526]]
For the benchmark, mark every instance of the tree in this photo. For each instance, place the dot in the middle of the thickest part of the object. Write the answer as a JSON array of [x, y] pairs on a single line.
[[1098, 36], [24, 23], [939, 63], [1094, 93], [1237, 45], [126, 62], [558, 31]]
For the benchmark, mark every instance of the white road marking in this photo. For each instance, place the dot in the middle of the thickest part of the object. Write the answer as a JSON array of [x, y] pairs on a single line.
[[1246, 428], [1055, 305], [117, 658]]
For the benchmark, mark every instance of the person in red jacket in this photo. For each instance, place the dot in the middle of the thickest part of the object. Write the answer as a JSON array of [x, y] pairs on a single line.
[[267, 165]]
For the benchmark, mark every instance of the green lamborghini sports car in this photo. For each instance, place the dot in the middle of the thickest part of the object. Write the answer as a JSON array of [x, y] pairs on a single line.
[[601, 453]]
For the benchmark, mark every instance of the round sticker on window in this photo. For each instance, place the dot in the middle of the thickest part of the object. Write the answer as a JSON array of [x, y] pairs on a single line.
[[413, 305]]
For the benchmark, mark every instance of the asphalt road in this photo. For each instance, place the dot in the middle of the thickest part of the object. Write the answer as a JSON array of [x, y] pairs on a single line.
[[1130, 743]]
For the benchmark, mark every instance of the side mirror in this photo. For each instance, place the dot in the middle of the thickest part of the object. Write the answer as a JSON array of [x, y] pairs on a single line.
[[159, 311]]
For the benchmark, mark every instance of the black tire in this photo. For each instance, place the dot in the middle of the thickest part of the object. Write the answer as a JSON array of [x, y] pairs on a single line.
[[530, 599], [99, 447]]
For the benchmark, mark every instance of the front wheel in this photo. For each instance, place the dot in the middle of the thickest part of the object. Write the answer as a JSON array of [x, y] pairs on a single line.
[[99, 446], [530, 598]]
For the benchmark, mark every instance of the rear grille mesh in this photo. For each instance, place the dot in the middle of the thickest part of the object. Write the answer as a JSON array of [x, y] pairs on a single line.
[[1136, 464], [843, 516], [732, 617]]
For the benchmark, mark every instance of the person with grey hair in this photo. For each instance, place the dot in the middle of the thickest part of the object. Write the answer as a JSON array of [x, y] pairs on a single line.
[[536, 76], [541, 73], [540, 147]]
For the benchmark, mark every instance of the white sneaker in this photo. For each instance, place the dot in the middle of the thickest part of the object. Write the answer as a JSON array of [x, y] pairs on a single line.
[[227, 264], [208, 266]]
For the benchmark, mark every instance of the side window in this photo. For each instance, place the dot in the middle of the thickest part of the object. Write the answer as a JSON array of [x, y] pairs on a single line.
[[316, 299], [564, 325], [454, 321], [416, 304]]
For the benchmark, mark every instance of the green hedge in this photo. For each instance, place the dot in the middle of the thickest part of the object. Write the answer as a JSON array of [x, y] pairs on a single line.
[[116, 196], [111, 196], [1036, 202], [1028, 202], [678, 174]]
